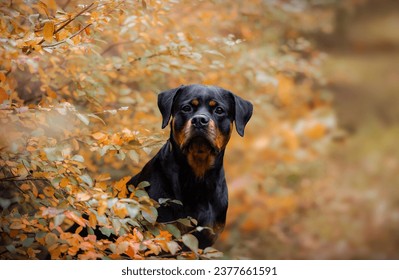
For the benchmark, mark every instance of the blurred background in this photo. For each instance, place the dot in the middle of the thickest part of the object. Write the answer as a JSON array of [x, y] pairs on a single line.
[[343, 205], [315, 176]]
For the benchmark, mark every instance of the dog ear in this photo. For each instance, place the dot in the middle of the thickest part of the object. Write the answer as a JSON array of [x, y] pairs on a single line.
[[165, 102], [243, 112]]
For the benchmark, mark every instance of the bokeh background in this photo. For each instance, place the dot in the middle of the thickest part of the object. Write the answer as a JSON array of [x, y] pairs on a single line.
[[315, 176]]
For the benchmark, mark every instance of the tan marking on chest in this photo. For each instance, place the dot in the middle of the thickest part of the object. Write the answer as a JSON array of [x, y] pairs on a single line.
[[200, 159]]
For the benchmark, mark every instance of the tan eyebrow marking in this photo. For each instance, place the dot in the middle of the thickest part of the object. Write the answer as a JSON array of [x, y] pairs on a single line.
[[212, 103], [195, 102]]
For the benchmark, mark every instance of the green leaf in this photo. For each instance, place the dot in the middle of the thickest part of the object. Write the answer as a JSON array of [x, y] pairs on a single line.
[[214, 52], [173, 247], [167, 201], [59, 219], [150, 214], [191, 242], [147, 150], [83, 118], [53, 154], [132, 211], [134, 156], [105, 149], [11, 248], [173, 230], [106, 231], [27, 242], [140, 193], [143, 185], [56, 181], [111, 202], [87, 179], [212, 253], [78, 158]]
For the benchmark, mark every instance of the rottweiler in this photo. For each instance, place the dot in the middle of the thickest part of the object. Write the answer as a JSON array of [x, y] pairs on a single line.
[[189, 167]]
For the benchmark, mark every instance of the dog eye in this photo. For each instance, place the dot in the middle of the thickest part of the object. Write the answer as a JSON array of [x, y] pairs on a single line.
[[219, 110], [186, 108]]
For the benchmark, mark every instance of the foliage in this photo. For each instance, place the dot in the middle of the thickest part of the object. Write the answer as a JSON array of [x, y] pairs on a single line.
[[78, 115]]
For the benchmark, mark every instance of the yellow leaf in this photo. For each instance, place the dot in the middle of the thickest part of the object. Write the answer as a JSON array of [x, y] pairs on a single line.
[[99, 136], [48, 31]]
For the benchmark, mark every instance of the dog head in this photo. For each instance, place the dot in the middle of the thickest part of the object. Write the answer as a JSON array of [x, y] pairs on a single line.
[[202, 120]]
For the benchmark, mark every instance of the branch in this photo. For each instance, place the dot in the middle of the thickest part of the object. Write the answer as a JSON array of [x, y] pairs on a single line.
[[65, 24], [110, 47], [69, 21], [15, 178], [70, 37]]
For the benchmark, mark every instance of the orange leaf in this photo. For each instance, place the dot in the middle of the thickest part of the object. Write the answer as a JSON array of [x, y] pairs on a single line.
[[48, 191], [122, 247], [24, 187], [120, 211], [102, 207], [116, 139], [48, 31], [3, 95], [316, 131], [51, 4], [51, 93], [92, 220], [3, 77], [17, 225], [83, 196], [72, 216], [64, 182], [285, 91]]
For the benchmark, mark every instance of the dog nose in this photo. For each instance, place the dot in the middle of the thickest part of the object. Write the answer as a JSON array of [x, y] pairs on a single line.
[[200, 121]]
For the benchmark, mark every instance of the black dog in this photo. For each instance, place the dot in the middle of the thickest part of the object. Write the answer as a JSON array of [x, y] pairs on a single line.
[[189, 167]]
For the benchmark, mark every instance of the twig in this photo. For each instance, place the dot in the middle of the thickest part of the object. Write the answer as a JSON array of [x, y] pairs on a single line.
[[65, 24], [15, 179], [110, 47], [70, 37]]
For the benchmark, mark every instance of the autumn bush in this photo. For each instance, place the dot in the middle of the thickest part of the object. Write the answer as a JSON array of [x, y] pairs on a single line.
[[78, 84]]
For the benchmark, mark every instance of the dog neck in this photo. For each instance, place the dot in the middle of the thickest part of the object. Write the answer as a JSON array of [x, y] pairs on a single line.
[[198, 157]]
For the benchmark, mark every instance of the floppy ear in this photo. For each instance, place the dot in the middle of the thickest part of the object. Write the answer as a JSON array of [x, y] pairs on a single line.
[[165, 102], [243, 112]]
